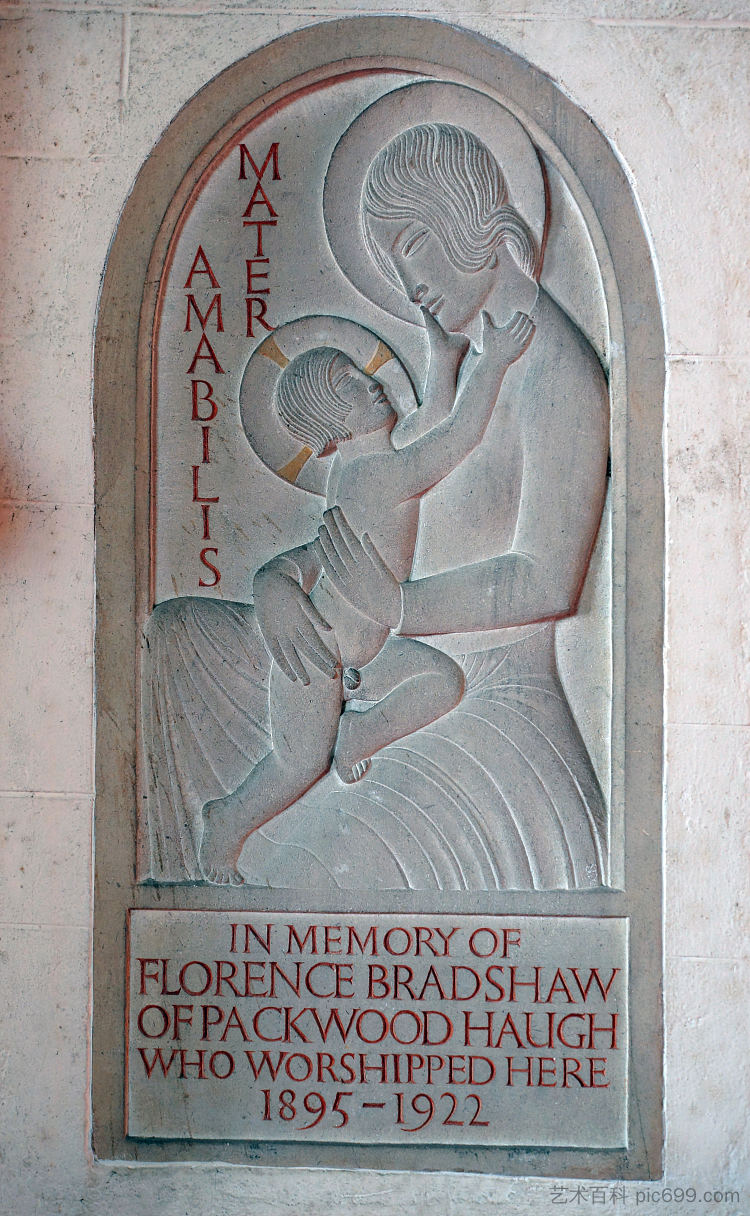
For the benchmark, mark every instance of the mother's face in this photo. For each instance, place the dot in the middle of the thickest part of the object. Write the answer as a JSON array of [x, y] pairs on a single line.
[[429, 279]]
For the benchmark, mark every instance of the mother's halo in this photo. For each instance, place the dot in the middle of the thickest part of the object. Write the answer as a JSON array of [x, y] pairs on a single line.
[[432, 102]]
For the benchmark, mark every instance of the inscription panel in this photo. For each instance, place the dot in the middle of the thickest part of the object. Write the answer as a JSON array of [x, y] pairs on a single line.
[[460, 1030]]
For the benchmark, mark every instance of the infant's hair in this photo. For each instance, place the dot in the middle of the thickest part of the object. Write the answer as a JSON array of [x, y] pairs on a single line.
[[307, 402]]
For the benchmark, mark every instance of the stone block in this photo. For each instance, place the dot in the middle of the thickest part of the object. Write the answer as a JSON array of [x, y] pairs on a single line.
[[44, 980], [45, 863], [60, 79], [41, 459], [708, 1012], [45, 731], [707, 841], [58, 219], [708, 558]]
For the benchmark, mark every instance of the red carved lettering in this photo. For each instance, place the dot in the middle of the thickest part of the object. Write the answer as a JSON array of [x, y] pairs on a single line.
[[473, 1078], [165, 1065], [389, 939], [383, 1023], [209, 566], [197, 1064], [544, 1071], [572, 1068], [272, 155], [209, 1020], [259, 316], [234, 1022], [211, 356], [265, 1062], [259, 198], [259, 225], [201, 257], [214, 1065], [207, 399], [183, 1016], [524, 1069], [594, 977], [378, 975], [203, 317], [256, 274], [157, 1034], [144, 962], [301, 943], [196, 493], [595, 1073]]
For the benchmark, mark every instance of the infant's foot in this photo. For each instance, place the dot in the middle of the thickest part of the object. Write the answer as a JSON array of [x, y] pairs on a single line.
[[220, 849], [349, 773], [351, 759]]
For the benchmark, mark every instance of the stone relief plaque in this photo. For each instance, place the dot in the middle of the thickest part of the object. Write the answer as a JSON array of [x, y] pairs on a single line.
[[394, 725]]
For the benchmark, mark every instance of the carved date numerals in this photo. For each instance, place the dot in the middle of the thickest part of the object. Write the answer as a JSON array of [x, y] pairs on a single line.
[[426, 1108], [290, 1107]]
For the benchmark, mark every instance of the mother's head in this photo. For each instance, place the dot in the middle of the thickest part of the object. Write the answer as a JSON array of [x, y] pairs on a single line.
[[437, 221]]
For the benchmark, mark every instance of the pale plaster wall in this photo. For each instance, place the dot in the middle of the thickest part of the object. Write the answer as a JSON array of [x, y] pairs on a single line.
[[88, 87]]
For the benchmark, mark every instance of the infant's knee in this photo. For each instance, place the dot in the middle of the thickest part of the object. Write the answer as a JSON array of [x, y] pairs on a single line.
[[452, 681]]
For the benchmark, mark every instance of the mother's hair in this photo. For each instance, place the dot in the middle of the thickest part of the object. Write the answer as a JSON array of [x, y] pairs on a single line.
[[446, 178]]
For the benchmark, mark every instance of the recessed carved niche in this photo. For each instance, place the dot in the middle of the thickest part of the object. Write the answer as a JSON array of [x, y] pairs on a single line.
[[378, 388]]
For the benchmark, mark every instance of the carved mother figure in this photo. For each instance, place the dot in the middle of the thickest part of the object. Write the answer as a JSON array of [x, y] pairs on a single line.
[[526, 506], [500, 792]]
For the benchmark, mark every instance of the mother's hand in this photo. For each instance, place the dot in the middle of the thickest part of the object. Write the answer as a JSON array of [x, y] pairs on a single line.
[[357, 570], [291, 626]]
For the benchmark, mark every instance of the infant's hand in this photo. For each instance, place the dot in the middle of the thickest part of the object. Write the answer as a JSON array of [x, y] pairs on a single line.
[[506, 343], [444, 345]]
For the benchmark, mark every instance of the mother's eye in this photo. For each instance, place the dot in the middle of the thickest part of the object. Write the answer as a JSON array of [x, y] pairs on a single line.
[[414, 242]]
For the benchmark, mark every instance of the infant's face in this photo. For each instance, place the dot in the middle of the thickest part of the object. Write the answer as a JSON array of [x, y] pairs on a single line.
[[371, 408]]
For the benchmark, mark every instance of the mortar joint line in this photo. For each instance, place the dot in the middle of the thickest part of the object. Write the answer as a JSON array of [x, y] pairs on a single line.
[[13, 11], [125, 36]]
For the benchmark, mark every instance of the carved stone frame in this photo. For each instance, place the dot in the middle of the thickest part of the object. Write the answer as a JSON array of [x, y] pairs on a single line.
[[121, 409]]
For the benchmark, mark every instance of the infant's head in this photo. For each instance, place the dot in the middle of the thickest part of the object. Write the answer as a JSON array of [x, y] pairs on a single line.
[[323, 399]]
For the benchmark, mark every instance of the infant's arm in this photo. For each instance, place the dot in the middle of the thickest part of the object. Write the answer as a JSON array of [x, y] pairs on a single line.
[[433, 456], [447, 353]]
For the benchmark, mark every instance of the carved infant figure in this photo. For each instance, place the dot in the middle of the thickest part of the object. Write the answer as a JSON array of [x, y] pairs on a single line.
[[330, 405]]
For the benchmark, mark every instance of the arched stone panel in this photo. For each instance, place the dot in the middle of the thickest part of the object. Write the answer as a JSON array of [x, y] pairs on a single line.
[[592, 648]]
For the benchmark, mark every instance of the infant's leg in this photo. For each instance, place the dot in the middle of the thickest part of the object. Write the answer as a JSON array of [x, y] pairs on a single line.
[[304, 721], [416, 685]]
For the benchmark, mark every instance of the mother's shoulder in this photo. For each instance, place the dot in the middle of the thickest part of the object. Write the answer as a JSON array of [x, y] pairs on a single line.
[[552, 320], [562, 356]]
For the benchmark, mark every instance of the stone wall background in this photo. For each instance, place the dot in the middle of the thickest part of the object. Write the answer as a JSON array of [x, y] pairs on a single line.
[[88, 86]]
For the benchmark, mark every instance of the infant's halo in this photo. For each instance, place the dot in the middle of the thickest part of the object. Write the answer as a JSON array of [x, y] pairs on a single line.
[[266, 433]]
